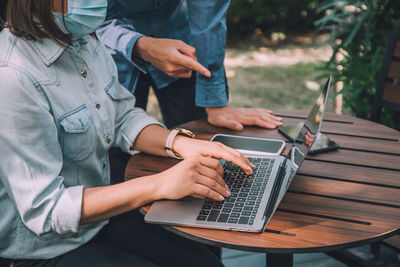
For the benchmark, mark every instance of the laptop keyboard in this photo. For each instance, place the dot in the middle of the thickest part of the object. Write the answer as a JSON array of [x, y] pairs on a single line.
[[246, 194]]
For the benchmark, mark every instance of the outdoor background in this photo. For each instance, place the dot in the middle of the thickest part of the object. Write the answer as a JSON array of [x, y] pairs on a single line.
[[279, 52]]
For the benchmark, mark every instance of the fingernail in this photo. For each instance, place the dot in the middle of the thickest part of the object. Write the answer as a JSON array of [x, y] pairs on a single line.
[[252, 165], [228, 192], [221, 198]]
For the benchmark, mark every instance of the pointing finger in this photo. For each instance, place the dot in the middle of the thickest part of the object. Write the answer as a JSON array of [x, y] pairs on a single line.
[[192, 64]]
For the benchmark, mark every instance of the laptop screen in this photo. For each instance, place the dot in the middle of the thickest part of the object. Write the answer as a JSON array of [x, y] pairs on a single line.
[[310, 128]]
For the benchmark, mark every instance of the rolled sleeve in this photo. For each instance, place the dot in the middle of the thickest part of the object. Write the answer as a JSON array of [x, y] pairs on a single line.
[[212, 92], [67, 212], [129, 121]]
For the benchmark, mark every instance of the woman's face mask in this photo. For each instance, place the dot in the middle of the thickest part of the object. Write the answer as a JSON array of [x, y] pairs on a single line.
[[83, 16]]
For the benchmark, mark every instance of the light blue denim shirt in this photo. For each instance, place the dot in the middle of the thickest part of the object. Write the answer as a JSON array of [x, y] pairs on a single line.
[[199, 23], [61, 109]]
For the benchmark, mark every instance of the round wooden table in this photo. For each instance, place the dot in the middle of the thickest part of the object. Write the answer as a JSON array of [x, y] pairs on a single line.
[[339, 199]]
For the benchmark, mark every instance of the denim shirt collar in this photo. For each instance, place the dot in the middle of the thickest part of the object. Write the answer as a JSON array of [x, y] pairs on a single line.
[[48, 50]]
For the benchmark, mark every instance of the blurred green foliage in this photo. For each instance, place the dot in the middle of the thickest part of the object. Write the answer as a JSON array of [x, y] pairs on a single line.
[[360, 31], [269, 16]]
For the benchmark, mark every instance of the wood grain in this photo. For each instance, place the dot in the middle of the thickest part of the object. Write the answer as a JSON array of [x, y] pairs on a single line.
[[391, 93], [394, 70]]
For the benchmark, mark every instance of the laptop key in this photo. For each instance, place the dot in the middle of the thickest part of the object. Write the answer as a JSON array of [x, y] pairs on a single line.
[[248, 208], [223, 217], [243, 220], [238, 204], [233, 220], [241, 199], [251, 222], [206, 207], [237, 210], [235, 215], [213, 216], [246, 213], [201, 218], [227, 210], [204, 212], [228, 205]]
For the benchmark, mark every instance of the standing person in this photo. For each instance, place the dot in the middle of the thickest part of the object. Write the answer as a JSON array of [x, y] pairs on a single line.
[[61, 111], [149, 43]]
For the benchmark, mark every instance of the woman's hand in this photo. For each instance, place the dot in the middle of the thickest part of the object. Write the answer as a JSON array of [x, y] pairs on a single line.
[[188, 147], [197, 176]]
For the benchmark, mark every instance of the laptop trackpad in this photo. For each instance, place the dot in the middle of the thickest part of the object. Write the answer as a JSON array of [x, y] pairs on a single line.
[[181, 211]]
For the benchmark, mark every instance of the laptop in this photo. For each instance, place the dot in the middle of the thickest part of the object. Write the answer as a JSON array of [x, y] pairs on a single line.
[[254, 198]]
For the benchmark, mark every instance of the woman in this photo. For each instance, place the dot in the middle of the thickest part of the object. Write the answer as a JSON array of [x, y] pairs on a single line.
[[61, 110]]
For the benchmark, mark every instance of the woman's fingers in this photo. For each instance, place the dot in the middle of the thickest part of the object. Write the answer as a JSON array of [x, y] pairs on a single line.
[[212, 163], [207, 192], [218, 150], [212, 174]]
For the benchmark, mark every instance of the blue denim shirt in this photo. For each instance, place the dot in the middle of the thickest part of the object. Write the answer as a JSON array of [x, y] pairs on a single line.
[[199, 23], [61, 109]]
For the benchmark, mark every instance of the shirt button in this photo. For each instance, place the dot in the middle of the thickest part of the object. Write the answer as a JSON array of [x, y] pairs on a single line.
[[108, 140], [83, 73], [97, 105]]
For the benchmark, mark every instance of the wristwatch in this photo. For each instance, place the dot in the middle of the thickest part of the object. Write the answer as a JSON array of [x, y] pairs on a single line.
[[171, 138]]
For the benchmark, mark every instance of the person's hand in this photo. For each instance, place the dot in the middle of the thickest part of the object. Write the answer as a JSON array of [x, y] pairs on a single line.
[[173, 57], [188, 147], [196, 176], [235, 118], [309, 138]]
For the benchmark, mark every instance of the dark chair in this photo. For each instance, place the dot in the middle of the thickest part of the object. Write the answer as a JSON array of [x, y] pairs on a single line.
[[388, 96], [388, 87]]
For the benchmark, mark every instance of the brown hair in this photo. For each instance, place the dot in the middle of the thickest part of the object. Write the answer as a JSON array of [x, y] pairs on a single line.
[[31, 19]]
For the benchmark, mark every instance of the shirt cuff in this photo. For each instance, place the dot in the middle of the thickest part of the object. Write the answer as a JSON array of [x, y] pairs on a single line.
[[211, 92], [137, 62], [67, 213], [129, 137], [130, 39]]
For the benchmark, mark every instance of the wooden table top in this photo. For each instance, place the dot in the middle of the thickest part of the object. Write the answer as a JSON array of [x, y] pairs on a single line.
[[339, 199]]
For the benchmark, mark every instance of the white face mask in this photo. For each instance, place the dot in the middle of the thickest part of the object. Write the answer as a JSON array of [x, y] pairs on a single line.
[[83, 17]]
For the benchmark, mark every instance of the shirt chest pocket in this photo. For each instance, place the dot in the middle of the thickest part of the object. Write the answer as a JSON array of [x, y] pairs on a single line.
[[116, 92], [78, 135]]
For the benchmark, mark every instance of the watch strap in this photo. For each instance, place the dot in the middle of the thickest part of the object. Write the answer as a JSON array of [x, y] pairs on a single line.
[[170, 141]]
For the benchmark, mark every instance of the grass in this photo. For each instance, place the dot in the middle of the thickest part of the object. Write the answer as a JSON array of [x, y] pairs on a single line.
[[274, 87]]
